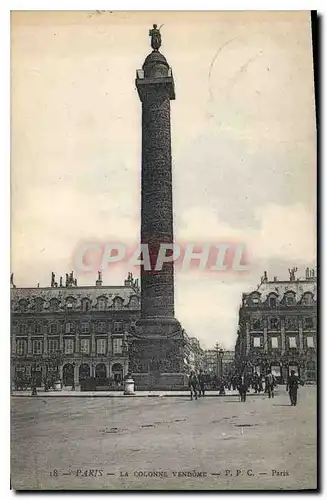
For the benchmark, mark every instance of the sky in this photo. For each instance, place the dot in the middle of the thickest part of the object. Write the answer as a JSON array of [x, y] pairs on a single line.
[[243, 146]]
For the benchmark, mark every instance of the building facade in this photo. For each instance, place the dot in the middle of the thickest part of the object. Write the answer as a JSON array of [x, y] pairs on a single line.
[[71, 332], [75, 333], [278, 327], [193, 354]]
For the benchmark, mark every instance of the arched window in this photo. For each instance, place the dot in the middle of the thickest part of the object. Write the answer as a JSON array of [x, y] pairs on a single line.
[[54, 305], [272, 300], [86, 305], [39, 305], [118, 303], [134, 303], [289, 298], [22, 305], [307, 299], [70, 303], [102, 303]]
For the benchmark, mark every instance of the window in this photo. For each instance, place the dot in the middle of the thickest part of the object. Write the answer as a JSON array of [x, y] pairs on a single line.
[[68, 327], [53, 346], [54, 305], [292, 342], [118, 303], [101, 326], [85, 305], [256, 324], [289, 299], [101, 346], [22, 305], [38, 305], [85, 327], [255, 300], [101, 304], [38, 328], [85, 346], [22, 328], [307, 299], [37, 346], [291, 323], [308, 323], [117, 346], [69, 346], [20, 347], [274, 323], [70, 303], [134, 303], [54, 328], [256, 342], [118, 326], [274, 342], [275, 370], [310, 342], [272, 301]]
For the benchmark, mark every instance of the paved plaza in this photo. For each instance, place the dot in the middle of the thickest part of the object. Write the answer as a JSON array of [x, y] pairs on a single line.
[[119, 443]]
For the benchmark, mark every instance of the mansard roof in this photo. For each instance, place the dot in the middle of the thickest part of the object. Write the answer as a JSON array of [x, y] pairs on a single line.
[[280, 288], [93, 293]]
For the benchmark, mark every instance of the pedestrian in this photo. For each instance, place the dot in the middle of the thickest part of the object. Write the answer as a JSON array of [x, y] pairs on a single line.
[[221, 387], [193, 383], [292, 387], [242, 387], [270, 384], [33, 386], [201, 379]]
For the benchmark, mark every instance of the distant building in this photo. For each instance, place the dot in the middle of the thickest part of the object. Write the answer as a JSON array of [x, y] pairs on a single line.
[[193, 353], [278, 327], [218, 362]]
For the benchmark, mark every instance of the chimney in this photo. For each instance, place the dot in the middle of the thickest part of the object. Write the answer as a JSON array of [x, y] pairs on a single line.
[[307, 273], [265, 277], [275, 278]]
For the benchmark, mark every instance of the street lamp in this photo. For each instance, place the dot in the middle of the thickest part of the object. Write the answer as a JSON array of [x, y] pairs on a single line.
[[73, 384], [221, 353], [33, 380]]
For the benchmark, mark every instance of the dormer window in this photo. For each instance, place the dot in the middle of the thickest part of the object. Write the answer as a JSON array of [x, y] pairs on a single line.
[[272, 301], [22, 305], [54, 305], [38, 305], [134, 303], [307, 299], [85, 305], [70, 303], [118, 303], [101, 303], [289, 299]]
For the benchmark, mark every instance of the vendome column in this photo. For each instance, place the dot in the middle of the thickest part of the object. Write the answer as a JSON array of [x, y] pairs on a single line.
[[156, 354]]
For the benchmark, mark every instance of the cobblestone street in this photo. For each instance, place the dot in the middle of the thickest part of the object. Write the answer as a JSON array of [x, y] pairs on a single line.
[[213, 443]]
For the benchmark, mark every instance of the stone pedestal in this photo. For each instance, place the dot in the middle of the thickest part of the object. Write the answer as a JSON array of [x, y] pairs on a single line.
[[129, 387], [156, 355]]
